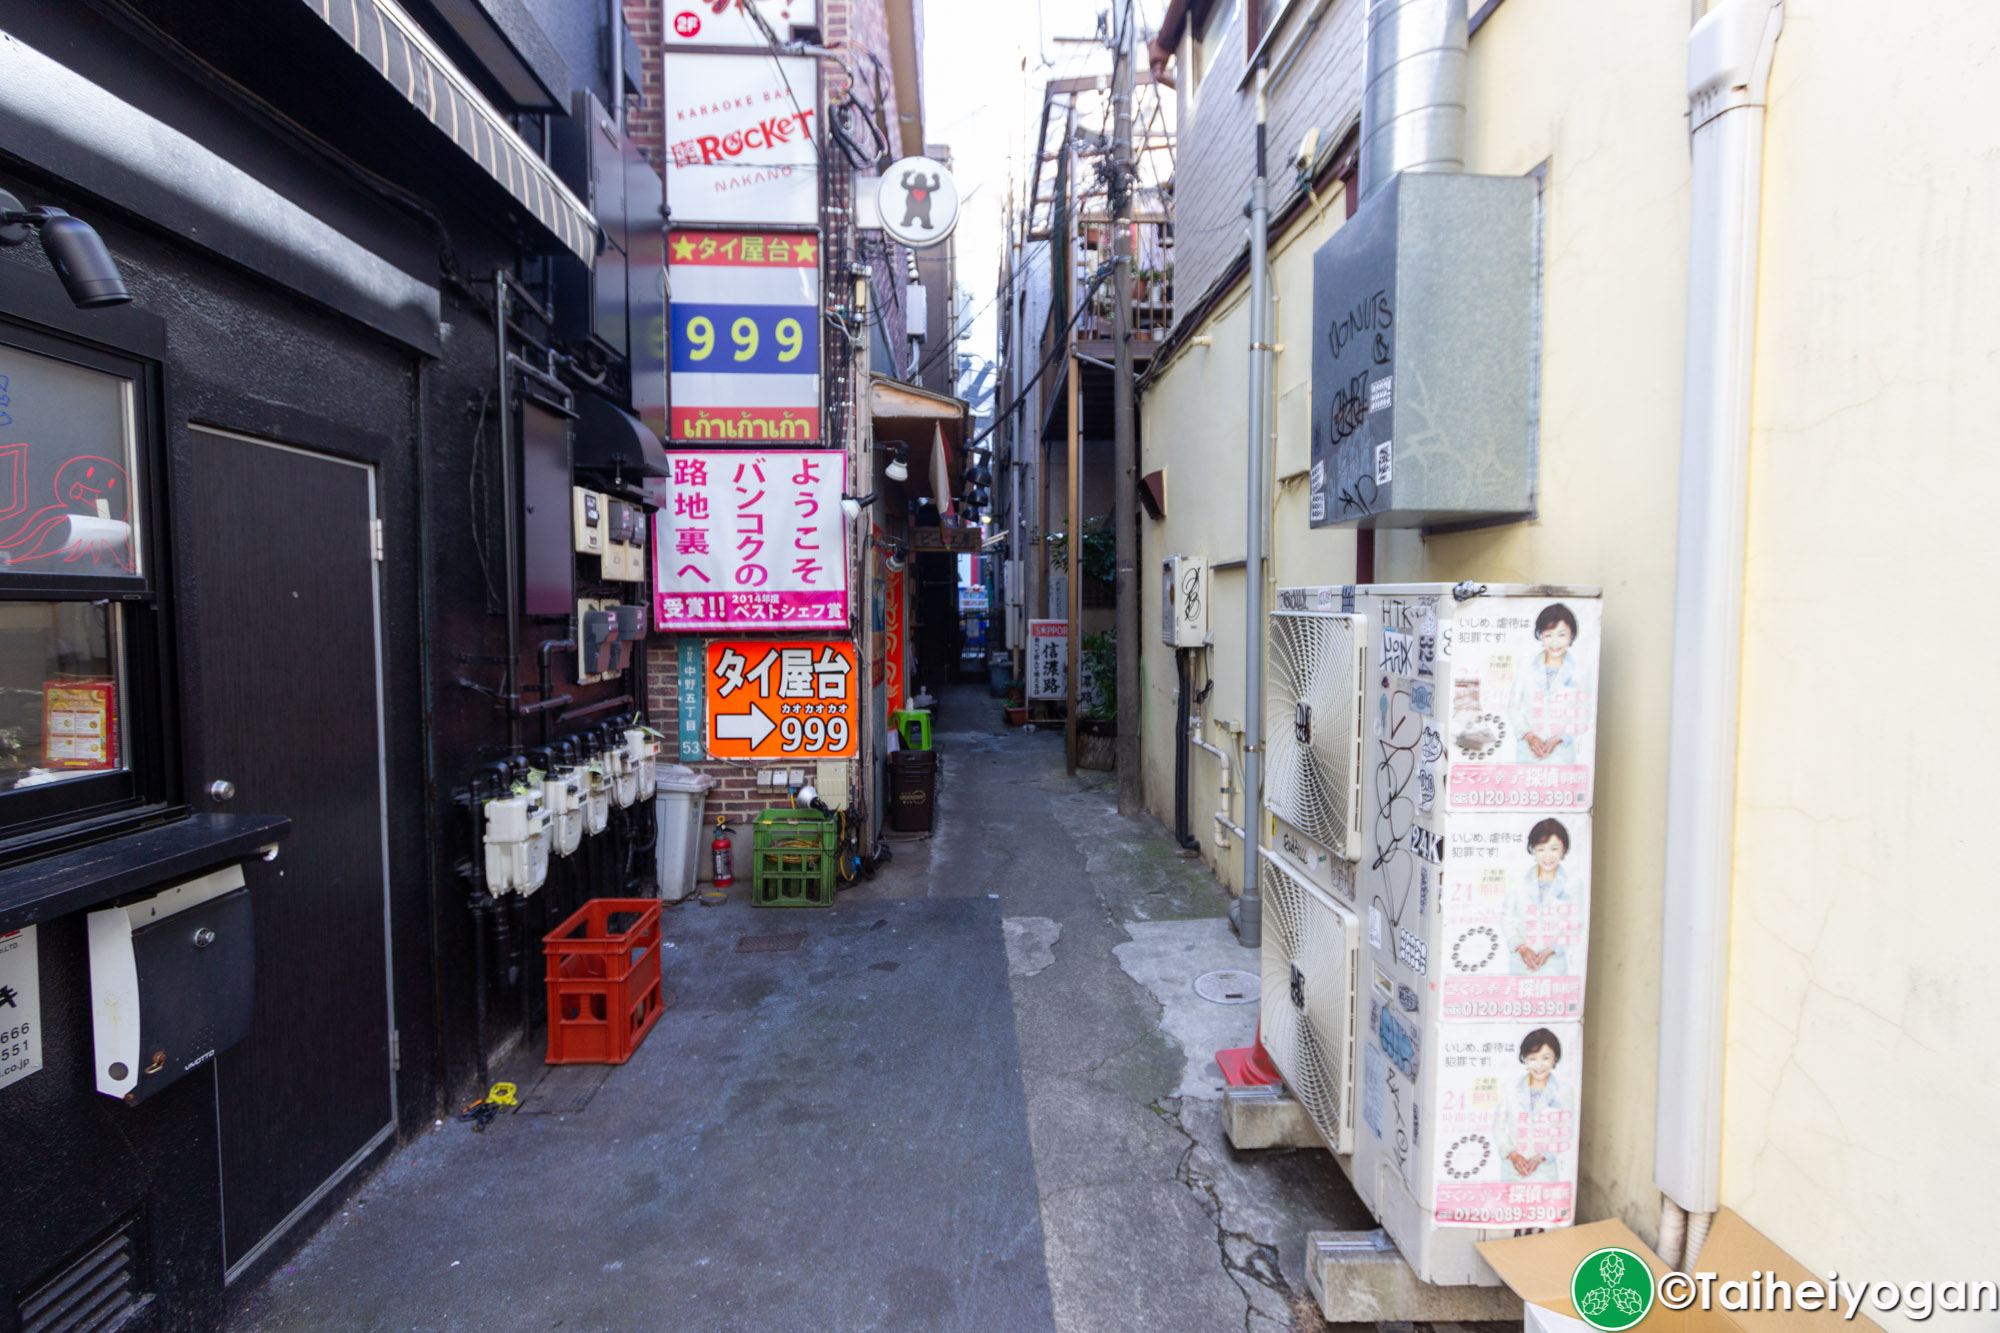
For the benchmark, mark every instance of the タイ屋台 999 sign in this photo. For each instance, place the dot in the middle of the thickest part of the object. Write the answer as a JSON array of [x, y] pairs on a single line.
[[782, 700]]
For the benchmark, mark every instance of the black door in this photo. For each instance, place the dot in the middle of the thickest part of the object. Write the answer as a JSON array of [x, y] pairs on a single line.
[[283, 645]]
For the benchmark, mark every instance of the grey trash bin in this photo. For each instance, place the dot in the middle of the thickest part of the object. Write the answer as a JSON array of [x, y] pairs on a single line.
[[677, 813]]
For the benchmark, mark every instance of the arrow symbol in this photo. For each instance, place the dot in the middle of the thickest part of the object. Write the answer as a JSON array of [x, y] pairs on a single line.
[[752, 726]]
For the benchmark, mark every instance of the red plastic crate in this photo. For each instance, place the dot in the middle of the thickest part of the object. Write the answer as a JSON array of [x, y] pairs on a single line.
[[604, 984]]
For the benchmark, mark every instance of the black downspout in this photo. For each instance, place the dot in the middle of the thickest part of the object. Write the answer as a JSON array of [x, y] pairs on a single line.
[[481, 904], [1182, 708]]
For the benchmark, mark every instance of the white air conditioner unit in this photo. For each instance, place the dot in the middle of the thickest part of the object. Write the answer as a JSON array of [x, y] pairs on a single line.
[[1184, 601], [1312, 726], [1311, 959]]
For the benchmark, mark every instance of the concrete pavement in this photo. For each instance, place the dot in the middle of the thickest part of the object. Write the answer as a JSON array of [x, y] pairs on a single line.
[[979, 1095]]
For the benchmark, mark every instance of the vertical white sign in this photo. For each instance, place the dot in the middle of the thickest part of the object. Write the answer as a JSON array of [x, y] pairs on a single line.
[[1048, 659], [742, 138], [20, 1006]]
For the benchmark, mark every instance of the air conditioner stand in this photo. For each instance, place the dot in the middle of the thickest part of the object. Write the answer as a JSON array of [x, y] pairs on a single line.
[[1360, 1277]]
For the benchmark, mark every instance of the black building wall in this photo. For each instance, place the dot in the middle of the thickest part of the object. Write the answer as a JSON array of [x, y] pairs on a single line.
[[246, 350]]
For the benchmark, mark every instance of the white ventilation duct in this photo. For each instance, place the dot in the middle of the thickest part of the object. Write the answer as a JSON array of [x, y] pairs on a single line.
[[1413, 101]]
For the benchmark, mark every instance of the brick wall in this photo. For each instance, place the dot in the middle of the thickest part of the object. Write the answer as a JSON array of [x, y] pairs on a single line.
[[857, 29], [1213, 161], [645, 123]]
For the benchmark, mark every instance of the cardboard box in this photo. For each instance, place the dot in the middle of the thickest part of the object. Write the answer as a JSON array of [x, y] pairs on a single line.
[[1539, 1269]]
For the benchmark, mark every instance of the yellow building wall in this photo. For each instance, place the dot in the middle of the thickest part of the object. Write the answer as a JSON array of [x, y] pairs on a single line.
[[1861, 1046], [1613, 136], [1194, 424], [1862, 1040]]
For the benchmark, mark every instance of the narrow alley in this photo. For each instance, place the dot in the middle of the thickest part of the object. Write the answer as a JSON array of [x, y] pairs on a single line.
[[918, 665], [977, 1094]]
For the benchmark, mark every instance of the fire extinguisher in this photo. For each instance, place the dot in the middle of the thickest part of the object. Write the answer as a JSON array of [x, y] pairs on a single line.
[[724, 864]]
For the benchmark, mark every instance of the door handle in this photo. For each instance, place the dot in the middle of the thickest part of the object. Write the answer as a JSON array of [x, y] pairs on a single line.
[[221, 790]]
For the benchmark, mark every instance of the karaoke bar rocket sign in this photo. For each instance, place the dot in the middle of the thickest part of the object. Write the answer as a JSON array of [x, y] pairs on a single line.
[[741, 135], [746, 323], [751, 540]]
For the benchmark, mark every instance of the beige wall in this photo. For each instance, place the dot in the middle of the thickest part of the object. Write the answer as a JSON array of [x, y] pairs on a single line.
[[1861, 1045], [1861, 1058], [1611, 131], [1614, 140], [1193, 424]]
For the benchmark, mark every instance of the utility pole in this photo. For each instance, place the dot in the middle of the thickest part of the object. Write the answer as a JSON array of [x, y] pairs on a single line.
[[1073, 563], [1125, 448]]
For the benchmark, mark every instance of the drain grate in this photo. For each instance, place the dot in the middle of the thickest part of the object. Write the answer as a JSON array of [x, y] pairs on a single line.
[[565, 1089], [784, 943], [1228, 987]]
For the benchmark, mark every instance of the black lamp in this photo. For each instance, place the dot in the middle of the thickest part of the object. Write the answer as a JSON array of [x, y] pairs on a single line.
[[75, 251]]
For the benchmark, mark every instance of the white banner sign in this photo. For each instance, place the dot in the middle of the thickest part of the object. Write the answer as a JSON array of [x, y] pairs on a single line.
[[20, 1006], [1048, 659], [741, 138], [728, 22], [751, 539]]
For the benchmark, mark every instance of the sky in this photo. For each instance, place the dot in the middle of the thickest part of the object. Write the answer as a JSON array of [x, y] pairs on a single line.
[[980, 101]]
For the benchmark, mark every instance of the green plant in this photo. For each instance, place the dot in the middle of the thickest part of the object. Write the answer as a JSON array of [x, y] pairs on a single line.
[[1100, 668], [1100, 550]]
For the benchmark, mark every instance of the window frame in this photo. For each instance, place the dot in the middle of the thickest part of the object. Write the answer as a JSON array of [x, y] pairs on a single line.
[[50, 817]]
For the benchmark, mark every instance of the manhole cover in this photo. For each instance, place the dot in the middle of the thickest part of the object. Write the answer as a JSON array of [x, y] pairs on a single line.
[[1227, 987]]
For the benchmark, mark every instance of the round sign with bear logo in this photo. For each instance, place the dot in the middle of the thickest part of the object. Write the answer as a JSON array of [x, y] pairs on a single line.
[[918, 201]]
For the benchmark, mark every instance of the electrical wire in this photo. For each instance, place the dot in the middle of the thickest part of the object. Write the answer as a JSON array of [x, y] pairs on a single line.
[[1096, 281], [973, 318]]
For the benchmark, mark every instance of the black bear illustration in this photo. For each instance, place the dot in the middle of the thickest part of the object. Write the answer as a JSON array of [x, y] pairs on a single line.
[[917, 194]]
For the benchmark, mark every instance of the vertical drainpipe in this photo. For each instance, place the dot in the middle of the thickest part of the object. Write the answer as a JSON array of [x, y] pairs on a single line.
[[1249, 908], [1729, 67]]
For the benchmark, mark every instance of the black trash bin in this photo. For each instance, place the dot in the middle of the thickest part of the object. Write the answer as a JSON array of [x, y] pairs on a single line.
[[912, 790]]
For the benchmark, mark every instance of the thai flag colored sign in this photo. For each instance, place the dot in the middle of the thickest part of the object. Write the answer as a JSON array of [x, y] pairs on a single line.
[[745, 344], [751, 539]]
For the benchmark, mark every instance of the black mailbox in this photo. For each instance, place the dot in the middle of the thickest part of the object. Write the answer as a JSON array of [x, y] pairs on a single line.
[[172, 982]]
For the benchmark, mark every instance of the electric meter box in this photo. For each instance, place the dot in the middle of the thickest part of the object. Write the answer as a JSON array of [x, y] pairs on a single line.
[[1478, 712], [1184, 601], [1423, 355]]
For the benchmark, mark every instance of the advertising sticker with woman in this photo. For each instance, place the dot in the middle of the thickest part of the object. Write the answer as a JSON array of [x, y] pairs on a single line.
[[1507, 1137], [1516, 916], [1524, 704]]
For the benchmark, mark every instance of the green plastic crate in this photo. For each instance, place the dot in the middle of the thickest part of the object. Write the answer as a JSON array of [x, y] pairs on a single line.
[[792, 877], [791, 830]]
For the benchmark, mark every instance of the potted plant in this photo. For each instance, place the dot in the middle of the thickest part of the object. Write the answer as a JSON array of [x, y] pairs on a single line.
[[1017, 704], [1097, 709]]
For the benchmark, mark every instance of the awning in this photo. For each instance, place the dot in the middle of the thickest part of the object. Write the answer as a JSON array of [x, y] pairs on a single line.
[[390, 40], [610, 439]]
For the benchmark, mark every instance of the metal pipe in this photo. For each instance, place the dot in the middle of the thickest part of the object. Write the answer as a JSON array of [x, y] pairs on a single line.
[[1249, 907], [481, 905], [1729, 65], [1413, 99], [1221, 816], [536, 373], [1124, 432], [589, 710], [1182, 704], [510, 690]]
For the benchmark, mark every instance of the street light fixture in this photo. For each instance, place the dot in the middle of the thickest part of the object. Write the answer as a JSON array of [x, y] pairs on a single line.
[[75, 251]]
